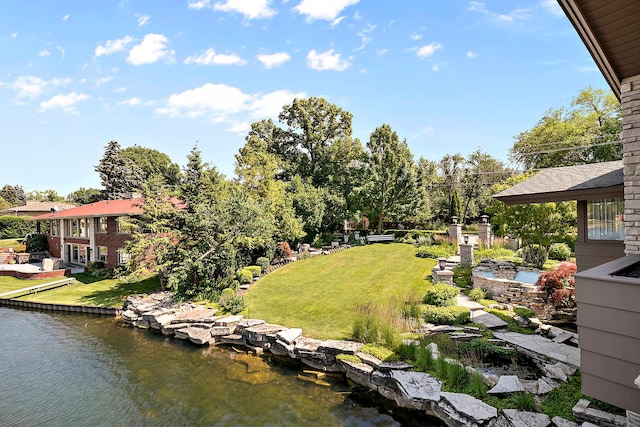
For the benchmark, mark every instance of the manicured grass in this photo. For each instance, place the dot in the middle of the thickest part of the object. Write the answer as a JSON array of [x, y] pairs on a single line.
[[93, 291], [321, 294], [9, 283]]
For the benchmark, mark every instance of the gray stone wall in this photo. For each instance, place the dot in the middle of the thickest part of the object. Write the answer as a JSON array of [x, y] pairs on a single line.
[[512, 292], [630, 98]]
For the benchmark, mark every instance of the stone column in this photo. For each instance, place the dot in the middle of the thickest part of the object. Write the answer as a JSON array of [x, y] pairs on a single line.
[[484, 234], [630, 104], [455, 233], [466, 254], [442, 276]]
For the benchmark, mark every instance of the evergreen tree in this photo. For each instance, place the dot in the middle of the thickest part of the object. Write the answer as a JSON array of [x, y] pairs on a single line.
[[118, 174], [14, 195]]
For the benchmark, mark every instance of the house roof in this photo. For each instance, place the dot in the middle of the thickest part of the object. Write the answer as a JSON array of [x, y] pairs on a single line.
[[101, 208], [37, 206], [583, 182], [611, 32]]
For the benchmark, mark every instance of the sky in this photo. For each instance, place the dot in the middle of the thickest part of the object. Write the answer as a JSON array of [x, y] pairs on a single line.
[[449, 76]]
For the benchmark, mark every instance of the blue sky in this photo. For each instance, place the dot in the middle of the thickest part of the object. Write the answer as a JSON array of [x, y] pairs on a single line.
[[449, 76]]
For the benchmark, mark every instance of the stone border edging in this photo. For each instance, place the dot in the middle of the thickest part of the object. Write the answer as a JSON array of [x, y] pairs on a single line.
[[87, 309]]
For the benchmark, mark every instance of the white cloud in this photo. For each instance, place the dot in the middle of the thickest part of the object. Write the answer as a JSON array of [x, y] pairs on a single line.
[[471, 54], [428, 50], [514, 15], [364, 36], [326, 61], [383, 51], [552, 7], [66, 103], [323, 9], [415, 36], [273, 59], [337, 21], [32, 87], [65, 17], [102, 81], [436, 67], [44, 53], [131, 102], [61, 50], [251, 9], [142, 20], [113, 46], [121, 89], [152, 49], [14, 35], [209, 57], [220, 103]]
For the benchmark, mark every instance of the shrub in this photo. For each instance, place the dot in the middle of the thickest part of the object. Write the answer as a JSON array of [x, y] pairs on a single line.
[[462, 275], [436, 251], [284, 250], [441, 295], [555, 282], [263, 262], [15, 227], [524, 312], [560, 252], [409, 240], [495, 253], [457, 376], [255, 270], [445, 315], [523, 401], [477, 388], [234, 304], [423, 240], [477, 294], [37, 243], [244, 276]]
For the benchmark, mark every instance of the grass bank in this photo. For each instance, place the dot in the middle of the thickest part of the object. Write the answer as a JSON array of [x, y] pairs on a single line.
[[321, 294], [89, 290]]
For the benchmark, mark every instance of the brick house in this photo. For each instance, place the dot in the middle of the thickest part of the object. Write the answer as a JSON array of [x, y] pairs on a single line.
[[91, 232]]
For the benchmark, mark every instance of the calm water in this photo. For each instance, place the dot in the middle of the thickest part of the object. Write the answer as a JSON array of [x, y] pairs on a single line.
[[67, 369]]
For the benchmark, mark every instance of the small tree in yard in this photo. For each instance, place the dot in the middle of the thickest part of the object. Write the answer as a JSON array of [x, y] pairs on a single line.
[[558, 285]]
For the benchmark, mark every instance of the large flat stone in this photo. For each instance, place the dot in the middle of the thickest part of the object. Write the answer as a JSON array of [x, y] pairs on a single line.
[[198, 315], [465, 409], [229, 320], [289, 335], [489, 320], [507, 384], [417, 386], [335, 347], [561, 422], [526, 419], [544, 347], [260, 332]]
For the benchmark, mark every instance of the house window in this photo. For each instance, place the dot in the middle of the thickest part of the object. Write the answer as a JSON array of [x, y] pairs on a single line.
[[84, 227], [55, 227], [123, 257], [604, 219], [101, 224], [73, 227], [103, 253]]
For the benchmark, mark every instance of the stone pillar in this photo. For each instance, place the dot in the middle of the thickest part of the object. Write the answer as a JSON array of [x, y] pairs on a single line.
[[442, 276], [630, 104], [633, 419], [484, 234], [466, 254], [455, 233]]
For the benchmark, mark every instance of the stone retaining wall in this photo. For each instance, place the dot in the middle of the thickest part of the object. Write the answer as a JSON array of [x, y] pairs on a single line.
[[61, 307], [512, 292]]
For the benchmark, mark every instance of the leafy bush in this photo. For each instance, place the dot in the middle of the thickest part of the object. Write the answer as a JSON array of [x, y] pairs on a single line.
[[462, 275], [15, 227], [423, 240], [37, 243], [263, 262], [255, 270], [441, 295], [446, 315], [244, 276], [524, 312], [496, 253], [230, 302], [436, 251], [477, 294], [560, 252], [284, 250], [555, 283], [409, 240]]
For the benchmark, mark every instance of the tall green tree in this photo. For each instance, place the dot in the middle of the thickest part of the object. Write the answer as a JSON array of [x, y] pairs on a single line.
[[83, 196], [153, 163], [14, 195], [45, 196], [451, 169], [390, 188], [118, 174], [586, 132]]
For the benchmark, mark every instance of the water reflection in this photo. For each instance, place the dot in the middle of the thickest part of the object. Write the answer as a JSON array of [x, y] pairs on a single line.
[[65, 369]]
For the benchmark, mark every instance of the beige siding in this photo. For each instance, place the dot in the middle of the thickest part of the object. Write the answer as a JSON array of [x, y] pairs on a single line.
[[609, 328]]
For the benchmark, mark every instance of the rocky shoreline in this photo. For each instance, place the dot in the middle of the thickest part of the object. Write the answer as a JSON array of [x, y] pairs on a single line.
[[393, 381]]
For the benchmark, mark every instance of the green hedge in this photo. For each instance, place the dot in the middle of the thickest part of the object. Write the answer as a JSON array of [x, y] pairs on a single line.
[[15, 227], [436, 251], [255, 270], [244, 276], [454, 315], [441, 295], [263, 262]]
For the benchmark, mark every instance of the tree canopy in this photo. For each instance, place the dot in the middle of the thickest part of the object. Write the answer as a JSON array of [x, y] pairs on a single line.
[[119, 175]]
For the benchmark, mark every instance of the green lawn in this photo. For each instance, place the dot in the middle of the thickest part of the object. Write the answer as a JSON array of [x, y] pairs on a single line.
[[9, 283], [321, 294], [90, 290], [9, 243]]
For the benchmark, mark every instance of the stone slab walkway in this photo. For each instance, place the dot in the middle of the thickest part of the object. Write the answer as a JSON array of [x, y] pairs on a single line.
[[543, 346], [478, 315]]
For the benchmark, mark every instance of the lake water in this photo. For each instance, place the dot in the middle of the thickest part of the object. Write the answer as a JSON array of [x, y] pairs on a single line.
[[61, 369]]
